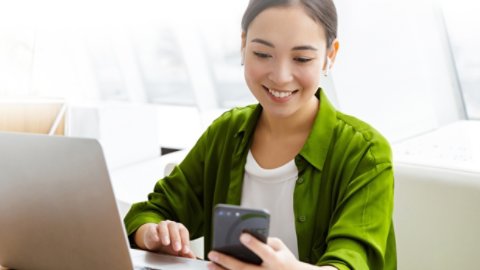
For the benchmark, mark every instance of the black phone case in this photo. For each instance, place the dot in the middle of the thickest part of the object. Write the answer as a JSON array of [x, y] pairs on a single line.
[[229, 221]]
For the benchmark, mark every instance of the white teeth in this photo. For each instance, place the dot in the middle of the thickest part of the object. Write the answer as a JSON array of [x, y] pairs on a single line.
[[280, 94]]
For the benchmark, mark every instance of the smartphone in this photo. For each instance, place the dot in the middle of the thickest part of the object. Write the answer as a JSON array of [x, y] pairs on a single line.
[[230, 221]]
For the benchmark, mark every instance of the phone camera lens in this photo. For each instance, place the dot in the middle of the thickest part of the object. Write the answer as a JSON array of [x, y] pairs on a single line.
[[237, 214], [220, 213]]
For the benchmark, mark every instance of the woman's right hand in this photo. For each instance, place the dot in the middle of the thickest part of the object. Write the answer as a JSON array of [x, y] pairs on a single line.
[[167, 237]]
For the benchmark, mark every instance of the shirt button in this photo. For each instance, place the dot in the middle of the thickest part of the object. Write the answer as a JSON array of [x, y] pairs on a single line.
[[300, 180], [302, 218]]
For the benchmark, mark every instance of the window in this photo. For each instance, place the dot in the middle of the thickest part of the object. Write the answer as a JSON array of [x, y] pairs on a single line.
[[105, 67], [222, 49], [463, 28], [162, 66], [16, 54], [138, 52]]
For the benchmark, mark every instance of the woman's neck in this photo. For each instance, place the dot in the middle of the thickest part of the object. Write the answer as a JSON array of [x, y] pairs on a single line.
[[299, 122]]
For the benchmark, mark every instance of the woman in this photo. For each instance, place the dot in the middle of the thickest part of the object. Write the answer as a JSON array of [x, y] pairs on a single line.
[[325, 177]]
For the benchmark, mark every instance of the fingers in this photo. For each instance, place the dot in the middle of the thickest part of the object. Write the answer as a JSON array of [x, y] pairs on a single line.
[[213, 266], [222, 261], [275, 243], [184, 238], [275, 255], [265, 252], [168, 237], [150, 237], [164, 233], [180, 239], [175, 239]]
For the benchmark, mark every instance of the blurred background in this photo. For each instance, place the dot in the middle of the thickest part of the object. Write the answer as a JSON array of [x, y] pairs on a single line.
[[417, 60], [146, 78]]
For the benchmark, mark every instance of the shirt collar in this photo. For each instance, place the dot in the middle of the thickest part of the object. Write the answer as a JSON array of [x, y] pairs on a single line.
[[316, 147], [246, 129]]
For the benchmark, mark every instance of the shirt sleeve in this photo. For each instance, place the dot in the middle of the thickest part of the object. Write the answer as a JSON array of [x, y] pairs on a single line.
[[362, 220], [171, 194]]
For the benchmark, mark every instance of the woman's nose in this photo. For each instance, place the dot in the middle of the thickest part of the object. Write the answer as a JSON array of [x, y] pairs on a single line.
[[281, 73]]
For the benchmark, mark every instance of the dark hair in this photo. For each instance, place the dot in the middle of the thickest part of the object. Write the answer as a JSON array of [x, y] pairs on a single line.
[[321, 11]]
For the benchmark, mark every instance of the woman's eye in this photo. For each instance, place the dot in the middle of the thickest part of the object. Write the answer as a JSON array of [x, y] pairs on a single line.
[[261, 55], [302, 59]]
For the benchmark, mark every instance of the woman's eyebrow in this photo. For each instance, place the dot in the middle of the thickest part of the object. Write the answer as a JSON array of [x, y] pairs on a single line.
[[296, 48], [262, 41], [304, 47]]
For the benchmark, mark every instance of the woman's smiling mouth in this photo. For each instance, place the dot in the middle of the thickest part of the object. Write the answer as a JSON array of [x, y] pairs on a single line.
[[279, 94]]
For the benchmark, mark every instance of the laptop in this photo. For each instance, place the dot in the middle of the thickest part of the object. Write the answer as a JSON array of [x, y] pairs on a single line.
[[58, 209]]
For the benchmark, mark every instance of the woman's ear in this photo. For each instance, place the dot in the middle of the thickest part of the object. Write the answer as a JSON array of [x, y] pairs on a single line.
[[330, 58], [332, 54]]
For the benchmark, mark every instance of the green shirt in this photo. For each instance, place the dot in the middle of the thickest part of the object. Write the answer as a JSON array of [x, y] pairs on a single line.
[[343, 198]]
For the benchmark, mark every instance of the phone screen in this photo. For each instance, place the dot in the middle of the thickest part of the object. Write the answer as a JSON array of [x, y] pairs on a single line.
[[230, 221]]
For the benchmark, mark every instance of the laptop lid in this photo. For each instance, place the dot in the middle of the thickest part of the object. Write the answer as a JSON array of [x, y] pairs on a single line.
[[57, 207]]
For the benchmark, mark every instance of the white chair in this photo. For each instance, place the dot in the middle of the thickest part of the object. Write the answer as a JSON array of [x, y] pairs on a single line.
[[437, 219]]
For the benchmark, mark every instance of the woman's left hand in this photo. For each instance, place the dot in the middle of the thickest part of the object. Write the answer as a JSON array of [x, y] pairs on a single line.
[[275, 255]]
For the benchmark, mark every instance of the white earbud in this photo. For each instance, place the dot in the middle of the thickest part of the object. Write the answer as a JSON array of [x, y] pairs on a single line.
[[327, 67]]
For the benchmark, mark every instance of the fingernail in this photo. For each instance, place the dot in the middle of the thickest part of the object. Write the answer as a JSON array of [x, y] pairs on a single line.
[[245, 238], [186, 250], [213, 256], [177, 246]]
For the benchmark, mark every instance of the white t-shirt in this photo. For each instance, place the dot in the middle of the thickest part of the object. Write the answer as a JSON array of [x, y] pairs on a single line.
[[272, 189]]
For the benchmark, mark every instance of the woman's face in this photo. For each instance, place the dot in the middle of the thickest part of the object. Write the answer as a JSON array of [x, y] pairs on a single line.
[[284, 54]]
